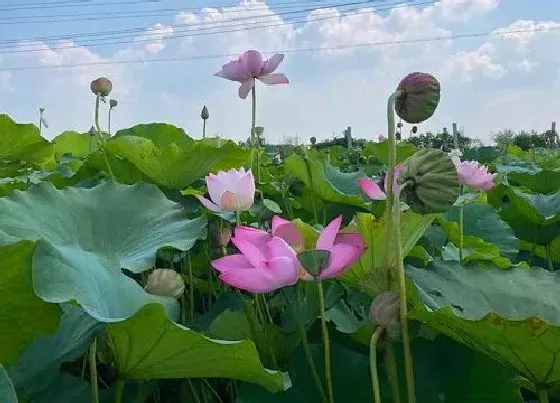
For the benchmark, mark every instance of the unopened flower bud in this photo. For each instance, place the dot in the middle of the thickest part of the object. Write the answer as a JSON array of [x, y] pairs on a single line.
[[419, 98], [429, 182], [101, 86], [204, 113], [384, 312], [113, 103], [165, 283], [92, 131]]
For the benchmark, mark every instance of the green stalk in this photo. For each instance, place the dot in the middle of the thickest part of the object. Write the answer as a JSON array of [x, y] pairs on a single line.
[[326, 342], [395, 219], [373, 364], [310, 177], [392, 372], [543, 395], [191, 286], [93, 371], [548, 249], [119, 390], [461, 233], [99, 135], [193, 391], [203, 128], [307, 349], [109, 122]]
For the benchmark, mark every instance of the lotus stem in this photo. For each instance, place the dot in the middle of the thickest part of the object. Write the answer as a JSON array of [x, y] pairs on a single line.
[[119, 390], [191, 286], [93, 371], [310, 178], [307, 349], [392, 373], [100, 136], [543, 395], [548, 249], [203, 128], [395, 214], [326, 343], [461, 233], [373, 364], [109, 122]]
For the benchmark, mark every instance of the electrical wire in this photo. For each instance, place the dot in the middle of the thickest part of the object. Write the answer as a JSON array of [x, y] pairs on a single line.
[[296, 50]]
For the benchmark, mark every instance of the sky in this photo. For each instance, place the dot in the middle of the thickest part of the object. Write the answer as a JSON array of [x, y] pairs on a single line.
[[343, 59]]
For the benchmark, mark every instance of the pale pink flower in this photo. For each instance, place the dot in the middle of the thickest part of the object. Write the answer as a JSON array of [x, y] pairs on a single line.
[[473, 174], [266, 263], [250, 66], [233, 190], [373, 190], [382, 138]]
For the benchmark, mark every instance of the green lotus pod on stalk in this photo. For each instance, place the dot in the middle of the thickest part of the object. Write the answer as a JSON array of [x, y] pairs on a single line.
[[113, 103], [429, 182], [419, 98], [101, 86]]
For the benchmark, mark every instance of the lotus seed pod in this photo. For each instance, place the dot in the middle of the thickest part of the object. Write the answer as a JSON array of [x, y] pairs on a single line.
[[204, 113], [429, 182], [419, 98], [101, 86], [113, 103], [313, 140], [384, 312], [165, 283], [414, 129]]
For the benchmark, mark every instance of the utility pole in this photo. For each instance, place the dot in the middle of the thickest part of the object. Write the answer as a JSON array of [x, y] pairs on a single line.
[[348, 136]]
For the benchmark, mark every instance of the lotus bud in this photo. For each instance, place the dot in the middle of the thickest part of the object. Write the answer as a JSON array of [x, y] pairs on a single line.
[[113, 103], [420, 94], [165, 283], [414, 129], [92, 131], [429, 182], [222, 234], [101, 86], [384, 312], [204, 113], [313, 140]]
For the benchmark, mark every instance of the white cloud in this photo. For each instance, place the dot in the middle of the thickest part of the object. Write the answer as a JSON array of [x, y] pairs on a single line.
[[154, 38], [526, 31], [465, 64], [463, 10]]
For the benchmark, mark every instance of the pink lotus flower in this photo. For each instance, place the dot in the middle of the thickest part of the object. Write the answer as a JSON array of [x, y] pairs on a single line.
[[266, 263], [373, 190], [233, 190], [474, 175], [382, 138], [250, 66], [345, 248]]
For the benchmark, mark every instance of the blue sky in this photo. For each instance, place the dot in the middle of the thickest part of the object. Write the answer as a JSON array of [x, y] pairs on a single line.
[[488, 82]]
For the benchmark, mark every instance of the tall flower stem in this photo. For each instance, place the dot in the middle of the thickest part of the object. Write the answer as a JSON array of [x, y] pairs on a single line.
[[395, 218], [254, 140], [392, 372], [326, 342], [373, 364], [99, 134], [203, 128], [461, 233], [191, 286], [543, 395], [306, 348], [93, 371], [310, 179], [109, 122]]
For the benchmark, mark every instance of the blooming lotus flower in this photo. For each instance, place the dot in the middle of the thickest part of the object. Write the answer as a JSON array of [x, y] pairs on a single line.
[[250, 66], [233, 190], [166, 283], [373, 190], [344, 248], [266, 262], [474, 175]]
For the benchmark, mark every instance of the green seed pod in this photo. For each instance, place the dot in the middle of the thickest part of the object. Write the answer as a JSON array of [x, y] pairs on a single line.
[[102, 85], [113, 103], [429, 182], [384, 312], [419, 98]]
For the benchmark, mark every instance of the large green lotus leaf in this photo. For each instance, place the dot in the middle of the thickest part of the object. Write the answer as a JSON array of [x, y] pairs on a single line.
[[161, 134], [329, 183], [87, 235], [39, 364], [511, 315], [172, 167], [483, 221], [540, 250], [444, 372], [22, 314], [368, 275], [22, 142], [77, 144], [150, 346], [7, 391], [546, 181], [533, 217], [381, 151]]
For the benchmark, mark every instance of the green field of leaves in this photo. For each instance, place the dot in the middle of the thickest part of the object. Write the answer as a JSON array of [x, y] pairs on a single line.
[[118, 284]]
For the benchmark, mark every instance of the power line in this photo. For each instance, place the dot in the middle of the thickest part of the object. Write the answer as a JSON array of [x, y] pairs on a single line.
[[67, 3], [300, 50], [207, 30]]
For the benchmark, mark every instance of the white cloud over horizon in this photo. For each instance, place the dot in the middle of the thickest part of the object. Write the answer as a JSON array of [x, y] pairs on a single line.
[[488, 83]]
